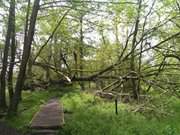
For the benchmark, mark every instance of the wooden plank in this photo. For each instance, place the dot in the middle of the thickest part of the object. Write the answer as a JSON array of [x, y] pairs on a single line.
[[50, 116], [44, 132]]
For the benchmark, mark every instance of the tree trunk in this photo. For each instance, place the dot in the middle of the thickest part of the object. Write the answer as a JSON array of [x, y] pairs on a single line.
[[26, 53], [47, 75], [13, 53], [29, 75], [81, 51], [75, 63], [5, 57], [132, 62], [30, 61]]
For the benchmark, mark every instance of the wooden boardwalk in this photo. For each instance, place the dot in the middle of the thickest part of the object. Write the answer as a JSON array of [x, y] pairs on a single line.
[[49, 118]]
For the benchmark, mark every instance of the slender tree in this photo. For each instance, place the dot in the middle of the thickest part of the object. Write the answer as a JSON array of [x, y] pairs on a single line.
[[81, 55], [5, 55], [12, 56], [26, 53]]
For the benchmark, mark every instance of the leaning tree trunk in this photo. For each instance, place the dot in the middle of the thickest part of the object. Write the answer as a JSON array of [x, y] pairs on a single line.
[[5, 57], [26, 53]]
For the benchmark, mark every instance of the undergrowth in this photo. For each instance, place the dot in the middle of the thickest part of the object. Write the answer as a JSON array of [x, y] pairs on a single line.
[[99, 118], [86, 116]]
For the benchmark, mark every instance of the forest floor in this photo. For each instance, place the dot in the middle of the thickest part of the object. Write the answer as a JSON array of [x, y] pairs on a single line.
[[86, 116]]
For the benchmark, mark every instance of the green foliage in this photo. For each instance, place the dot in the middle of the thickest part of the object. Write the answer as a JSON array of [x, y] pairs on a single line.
[[99, 119], [124, 10], [106, 55], [168, 2], [86, 116]]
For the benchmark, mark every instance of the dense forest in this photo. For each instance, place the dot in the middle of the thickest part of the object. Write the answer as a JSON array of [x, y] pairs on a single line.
[[113, 64]]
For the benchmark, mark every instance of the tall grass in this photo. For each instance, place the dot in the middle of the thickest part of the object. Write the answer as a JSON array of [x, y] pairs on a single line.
[[89, 118], [86, 116]]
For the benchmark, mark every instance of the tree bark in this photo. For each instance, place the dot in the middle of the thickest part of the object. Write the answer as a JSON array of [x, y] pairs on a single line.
[[81, 51], [30, 61], [5, 57], [26, 53], [12, 58]]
